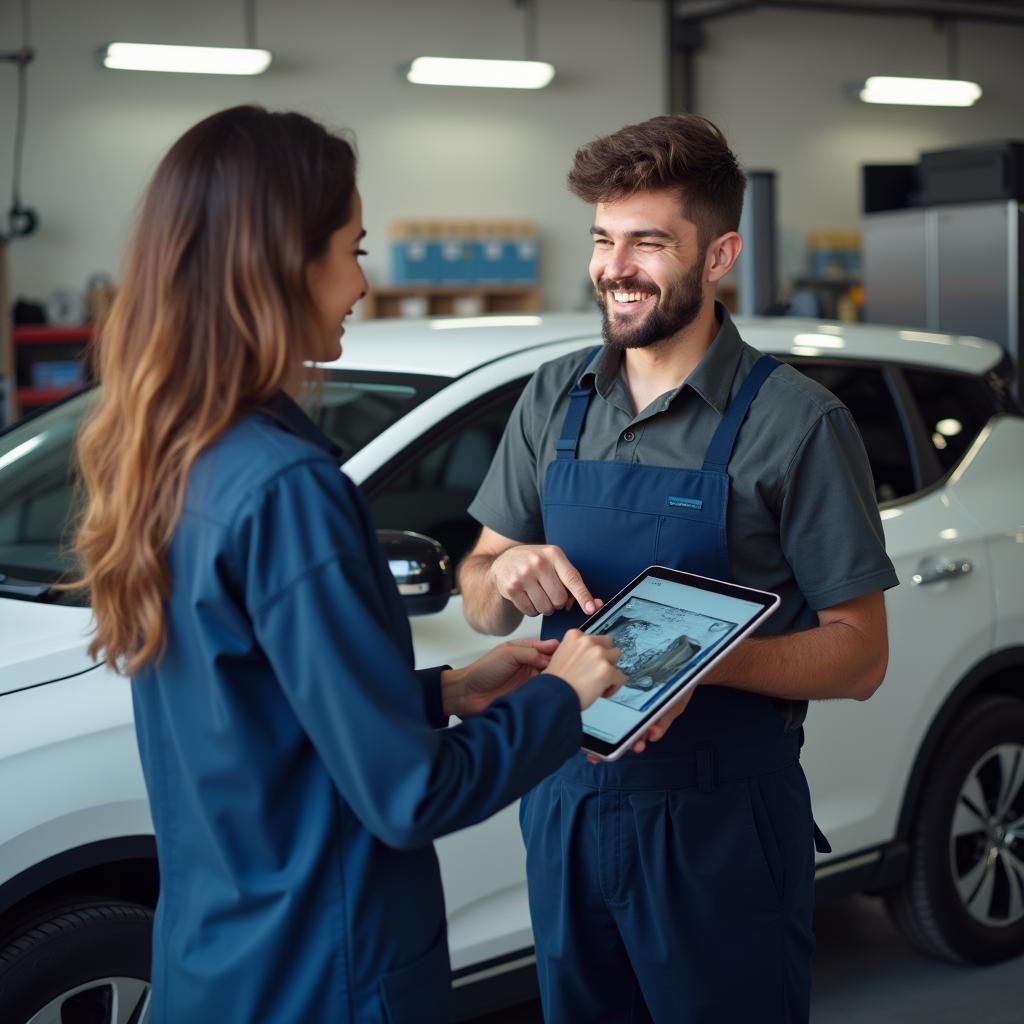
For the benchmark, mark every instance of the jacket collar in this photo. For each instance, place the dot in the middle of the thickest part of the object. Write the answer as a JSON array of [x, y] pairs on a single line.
[[287, 413]]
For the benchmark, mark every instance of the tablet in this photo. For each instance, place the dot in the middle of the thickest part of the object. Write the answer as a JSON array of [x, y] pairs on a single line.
[[671, 627]]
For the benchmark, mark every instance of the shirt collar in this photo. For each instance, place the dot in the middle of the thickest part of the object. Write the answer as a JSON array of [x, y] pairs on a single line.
[[287, 413], [711, 378]]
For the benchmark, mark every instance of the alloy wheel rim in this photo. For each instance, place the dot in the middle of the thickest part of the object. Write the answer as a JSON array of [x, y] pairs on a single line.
[[110, 1000], [986, 841]]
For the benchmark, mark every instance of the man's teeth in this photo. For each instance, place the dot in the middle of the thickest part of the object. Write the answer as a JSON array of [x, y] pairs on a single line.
[[631, 296]]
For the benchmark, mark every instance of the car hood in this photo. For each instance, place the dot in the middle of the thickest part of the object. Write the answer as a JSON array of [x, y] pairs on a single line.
[[40, 643]]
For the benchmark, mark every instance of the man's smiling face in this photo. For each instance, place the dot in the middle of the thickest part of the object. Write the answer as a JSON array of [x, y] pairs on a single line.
[[647, 268]]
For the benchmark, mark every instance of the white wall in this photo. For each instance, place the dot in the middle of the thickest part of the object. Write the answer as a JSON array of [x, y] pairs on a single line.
[[94, 136], [774, 81]]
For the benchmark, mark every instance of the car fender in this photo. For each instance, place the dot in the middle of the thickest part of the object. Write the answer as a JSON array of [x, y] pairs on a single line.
[[70, 773], [1000, 672]]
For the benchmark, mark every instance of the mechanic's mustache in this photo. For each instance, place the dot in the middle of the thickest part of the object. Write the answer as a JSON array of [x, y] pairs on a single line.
[[628, 284]]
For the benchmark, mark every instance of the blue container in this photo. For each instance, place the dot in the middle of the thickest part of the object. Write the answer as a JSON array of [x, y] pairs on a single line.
[[834, 264], [58, 373], [491, 267], [414, 260], [455, 260], [522, 259]]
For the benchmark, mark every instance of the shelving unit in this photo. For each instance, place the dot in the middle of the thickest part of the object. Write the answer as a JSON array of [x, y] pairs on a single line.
[[444, 301], [45, 343], [829, 291]]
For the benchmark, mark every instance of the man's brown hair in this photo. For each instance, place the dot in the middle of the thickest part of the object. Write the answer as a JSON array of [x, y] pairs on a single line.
[[684, 152]]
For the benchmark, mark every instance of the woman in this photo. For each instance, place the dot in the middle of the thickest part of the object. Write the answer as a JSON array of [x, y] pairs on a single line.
[[292, 757]]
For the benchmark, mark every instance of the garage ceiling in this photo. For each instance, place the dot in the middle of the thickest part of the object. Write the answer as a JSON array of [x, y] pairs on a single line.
[[1006, 11]]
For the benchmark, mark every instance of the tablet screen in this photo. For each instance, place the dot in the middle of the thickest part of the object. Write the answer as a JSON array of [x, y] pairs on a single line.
[[667, 630]]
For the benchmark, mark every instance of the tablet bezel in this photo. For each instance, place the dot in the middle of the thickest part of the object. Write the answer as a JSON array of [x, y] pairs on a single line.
[[677, 687]]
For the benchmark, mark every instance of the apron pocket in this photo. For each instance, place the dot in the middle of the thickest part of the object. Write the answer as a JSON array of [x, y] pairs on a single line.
[[691, 543], [767, 837], [420, 992]]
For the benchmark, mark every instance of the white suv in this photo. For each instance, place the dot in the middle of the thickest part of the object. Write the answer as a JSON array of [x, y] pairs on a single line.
[[920, 790]]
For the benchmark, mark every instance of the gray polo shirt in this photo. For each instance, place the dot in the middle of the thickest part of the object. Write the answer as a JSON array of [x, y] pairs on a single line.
[[803, 520]]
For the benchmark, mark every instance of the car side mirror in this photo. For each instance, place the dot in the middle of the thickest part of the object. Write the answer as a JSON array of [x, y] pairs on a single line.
[[421, 569]]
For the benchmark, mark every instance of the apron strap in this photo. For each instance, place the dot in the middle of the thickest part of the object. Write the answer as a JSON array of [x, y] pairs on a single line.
[[579, 401], [720, 450]]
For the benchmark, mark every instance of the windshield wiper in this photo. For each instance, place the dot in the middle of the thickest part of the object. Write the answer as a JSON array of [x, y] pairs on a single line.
[[11, 586]]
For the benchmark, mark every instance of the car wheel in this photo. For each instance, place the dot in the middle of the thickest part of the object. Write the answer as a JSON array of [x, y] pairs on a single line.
[[964, 897], [82, 964]]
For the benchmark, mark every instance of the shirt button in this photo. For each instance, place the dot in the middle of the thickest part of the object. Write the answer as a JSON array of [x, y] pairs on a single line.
[[629, 436]]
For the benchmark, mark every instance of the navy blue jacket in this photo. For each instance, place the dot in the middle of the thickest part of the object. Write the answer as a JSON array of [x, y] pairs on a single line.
[[294, 762]]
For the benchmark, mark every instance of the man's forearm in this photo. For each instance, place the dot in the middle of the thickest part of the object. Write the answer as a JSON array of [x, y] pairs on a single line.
[[485, 609], [833, 660]]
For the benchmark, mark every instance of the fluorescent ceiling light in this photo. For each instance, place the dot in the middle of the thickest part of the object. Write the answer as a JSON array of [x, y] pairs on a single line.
[[190, 60], [921, 92], [488, 74]]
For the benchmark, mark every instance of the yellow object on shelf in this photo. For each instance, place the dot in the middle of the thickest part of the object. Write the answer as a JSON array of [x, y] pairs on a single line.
[[834, 255]]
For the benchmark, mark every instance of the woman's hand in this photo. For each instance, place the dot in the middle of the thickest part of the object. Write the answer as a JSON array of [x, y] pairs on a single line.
[[588, 664], [468, 691]]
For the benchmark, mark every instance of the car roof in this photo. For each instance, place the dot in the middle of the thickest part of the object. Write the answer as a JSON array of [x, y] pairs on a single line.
[[451, 347]]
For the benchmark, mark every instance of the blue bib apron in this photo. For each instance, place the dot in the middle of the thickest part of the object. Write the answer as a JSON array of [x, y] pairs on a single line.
[[675, 885]]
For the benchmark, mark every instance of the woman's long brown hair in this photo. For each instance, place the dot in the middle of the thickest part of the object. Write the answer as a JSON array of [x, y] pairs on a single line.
[[213, 317]]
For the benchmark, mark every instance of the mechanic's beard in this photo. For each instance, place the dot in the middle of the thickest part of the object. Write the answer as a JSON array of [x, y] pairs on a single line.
[[674, 311]]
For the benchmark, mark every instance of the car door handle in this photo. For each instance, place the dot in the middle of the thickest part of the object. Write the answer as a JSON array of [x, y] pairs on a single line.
[[936, 572]]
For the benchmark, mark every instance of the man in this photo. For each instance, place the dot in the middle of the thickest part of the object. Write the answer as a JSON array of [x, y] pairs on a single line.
[[677, 886]]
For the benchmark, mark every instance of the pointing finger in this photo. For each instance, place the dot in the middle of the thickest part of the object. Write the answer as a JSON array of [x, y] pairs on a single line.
[[573, 582]]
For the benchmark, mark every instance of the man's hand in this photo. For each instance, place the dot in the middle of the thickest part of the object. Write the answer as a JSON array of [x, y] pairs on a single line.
[[468, 691], [658, 728], [538, 579]]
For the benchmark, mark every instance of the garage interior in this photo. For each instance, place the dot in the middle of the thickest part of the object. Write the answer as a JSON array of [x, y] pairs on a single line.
[[857, 213]]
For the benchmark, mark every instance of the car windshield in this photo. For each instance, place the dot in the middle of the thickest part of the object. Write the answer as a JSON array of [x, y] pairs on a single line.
[[38, 496]]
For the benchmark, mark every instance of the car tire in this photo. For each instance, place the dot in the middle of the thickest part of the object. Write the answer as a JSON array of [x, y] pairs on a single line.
[[84, 962], [963, 899]]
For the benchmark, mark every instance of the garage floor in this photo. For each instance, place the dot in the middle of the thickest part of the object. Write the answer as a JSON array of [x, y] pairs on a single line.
[[866, 973]]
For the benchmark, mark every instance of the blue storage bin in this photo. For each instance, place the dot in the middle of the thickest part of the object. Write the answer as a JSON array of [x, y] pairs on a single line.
[[455, 262], [834, 264], [414, 256], [491, 265], [522, 256], [58, 373]]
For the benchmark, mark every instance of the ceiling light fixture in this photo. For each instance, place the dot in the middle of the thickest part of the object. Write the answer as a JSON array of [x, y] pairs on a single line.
[[951, 91], [192, 60], [185, 60], [920, 92], [485, 74], [488, 74]]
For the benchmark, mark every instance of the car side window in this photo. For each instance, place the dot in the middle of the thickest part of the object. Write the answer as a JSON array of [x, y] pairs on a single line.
[[433, 487], [954, 409], [38, 496], [863, 390]]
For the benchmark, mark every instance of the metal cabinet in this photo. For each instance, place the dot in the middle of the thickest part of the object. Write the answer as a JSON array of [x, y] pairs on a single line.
[[954, 268]]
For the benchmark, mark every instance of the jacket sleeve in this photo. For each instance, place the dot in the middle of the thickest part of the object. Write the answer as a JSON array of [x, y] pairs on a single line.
[[342, 659], [433, 705]]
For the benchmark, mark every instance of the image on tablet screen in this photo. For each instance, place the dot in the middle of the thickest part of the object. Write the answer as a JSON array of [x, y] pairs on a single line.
[[666, 631], [658, 641]]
